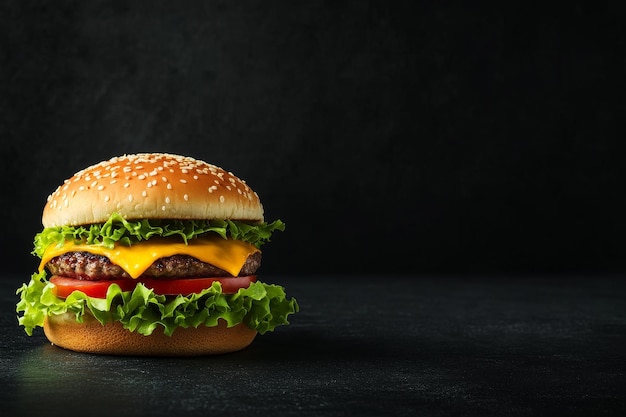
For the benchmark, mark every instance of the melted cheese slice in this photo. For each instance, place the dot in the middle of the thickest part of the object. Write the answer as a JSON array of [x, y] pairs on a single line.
[[226, 254]]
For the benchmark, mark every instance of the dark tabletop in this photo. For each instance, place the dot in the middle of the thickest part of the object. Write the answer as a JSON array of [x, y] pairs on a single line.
[[426, 346]]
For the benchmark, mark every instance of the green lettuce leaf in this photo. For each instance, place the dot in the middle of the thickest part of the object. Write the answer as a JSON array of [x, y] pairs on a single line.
[[118, 229], [261, 307]]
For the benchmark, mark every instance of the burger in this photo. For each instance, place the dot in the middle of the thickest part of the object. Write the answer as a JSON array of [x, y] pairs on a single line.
[[152, 254]]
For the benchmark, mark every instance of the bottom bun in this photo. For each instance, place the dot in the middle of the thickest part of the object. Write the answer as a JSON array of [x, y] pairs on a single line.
[[113, 339]]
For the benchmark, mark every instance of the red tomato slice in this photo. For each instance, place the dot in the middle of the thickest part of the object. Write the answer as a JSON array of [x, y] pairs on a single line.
[[185, 286]]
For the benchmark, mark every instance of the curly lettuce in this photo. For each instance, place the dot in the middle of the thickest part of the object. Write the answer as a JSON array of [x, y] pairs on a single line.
[[261, 307], [126, 232]]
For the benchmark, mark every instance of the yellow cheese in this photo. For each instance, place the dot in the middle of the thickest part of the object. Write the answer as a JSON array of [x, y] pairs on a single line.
[[229, 255]]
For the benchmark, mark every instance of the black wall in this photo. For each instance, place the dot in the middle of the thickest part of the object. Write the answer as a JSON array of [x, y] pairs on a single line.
[[389, 136]]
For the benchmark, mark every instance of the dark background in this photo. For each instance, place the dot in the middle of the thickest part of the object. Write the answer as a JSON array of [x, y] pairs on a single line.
[[389, 136]]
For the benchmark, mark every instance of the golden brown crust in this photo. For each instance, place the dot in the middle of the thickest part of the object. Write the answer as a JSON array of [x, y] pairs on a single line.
[[151, 186], [112, 339]]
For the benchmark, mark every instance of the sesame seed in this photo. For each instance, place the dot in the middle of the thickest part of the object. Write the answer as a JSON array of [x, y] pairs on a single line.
[[183, 181], [100, 187], [169, 186], [186, 197], [126, 185], [167, 200], [130, 197], [142, 177], [144, 193], [221, 199], [107, 198]]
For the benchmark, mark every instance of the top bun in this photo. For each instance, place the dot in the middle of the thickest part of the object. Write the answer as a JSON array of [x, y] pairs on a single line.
[[151, 186]]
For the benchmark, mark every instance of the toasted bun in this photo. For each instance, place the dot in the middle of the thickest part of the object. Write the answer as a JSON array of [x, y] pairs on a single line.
[[151, 186], [112, 339]]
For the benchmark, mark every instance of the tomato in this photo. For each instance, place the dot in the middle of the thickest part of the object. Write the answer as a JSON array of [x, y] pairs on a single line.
[[185, 286]]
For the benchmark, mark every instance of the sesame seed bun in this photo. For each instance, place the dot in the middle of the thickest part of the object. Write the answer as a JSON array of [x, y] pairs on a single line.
[[151, 186], [112, 339]]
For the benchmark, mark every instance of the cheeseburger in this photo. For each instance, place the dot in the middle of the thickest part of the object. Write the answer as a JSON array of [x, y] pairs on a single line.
[[152, 254]]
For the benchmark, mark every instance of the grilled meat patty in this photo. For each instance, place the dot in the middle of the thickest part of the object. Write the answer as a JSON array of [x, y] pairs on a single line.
[[87, 266]]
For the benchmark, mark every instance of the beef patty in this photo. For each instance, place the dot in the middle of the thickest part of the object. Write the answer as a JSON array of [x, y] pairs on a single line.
[[87, 266]]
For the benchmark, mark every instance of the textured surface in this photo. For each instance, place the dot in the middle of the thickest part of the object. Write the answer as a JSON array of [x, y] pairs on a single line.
[[402, 346], [488, 134]]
